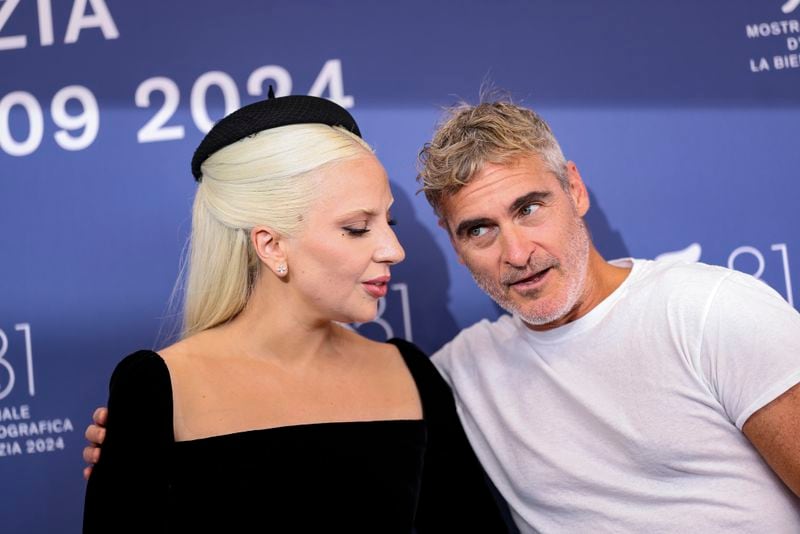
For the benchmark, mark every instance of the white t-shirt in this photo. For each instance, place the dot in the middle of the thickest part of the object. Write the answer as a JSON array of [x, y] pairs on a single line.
[[629, 419]]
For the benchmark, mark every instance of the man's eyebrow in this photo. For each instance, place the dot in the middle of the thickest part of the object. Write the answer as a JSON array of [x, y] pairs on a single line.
[[526, 199], [530, 198], [465, 226]]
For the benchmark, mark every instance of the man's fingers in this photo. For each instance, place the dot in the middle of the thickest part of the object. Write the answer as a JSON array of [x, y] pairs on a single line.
[[95, 434], [99, 416], [91, 454]]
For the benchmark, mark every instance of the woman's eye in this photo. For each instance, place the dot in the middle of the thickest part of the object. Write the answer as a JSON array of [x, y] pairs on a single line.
[[477, 231], [529, 209], [356, 230]]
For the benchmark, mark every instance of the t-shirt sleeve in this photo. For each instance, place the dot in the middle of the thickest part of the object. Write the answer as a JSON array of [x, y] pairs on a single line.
[[455, 494], [128, 490], [750, 346]]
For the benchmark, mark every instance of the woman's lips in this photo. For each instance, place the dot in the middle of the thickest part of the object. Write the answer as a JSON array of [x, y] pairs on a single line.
[[377, 287]]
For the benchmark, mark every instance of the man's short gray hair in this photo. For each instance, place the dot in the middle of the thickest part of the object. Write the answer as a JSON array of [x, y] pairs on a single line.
[[491, 132]]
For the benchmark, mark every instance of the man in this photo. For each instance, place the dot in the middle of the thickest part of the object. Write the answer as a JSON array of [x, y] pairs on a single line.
[[630, 396]]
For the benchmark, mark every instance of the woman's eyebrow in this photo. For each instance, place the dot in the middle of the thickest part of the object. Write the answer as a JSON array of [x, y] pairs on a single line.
[[359, 211]]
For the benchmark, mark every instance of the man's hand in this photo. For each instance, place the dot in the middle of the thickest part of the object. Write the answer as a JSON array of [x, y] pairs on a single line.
[[95, 434]]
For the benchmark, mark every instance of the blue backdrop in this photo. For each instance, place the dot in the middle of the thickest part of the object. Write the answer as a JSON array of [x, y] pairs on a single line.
[[680, 116]]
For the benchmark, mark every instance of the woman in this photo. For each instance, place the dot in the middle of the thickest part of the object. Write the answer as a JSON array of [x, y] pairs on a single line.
[[268, 415]]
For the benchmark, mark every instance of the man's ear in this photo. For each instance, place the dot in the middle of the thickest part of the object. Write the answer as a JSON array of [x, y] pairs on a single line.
[[270, 247], [443, 224], [577, 189]]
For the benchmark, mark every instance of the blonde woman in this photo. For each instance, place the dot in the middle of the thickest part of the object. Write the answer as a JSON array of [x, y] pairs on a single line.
[[268, 415]]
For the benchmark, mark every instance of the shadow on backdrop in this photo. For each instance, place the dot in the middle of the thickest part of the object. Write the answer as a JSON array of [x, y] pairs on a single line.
[[608, 241], [427, 296]]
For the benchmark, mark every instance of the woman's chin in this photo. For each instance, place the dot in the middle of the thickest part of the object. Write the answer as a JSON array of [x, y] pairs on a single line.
[[357, 317]]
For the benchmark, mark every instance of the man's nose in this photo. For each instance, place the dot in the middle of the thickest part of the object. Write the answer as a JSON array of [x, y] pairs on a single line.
[[517, 246]]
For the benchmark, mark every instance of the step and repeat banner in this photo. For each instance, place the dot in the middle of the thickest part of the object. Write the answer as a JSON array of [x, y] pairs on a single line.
[[682, 117]]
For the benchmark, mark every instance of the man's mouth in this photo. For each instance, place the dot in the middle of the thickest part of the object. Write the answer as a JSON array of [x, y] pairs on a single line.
[[530, 281]]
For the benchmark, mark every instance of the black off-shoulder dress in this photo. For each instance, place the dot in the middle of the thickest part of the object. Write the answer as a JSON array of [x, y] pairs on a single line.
[[349, 477]]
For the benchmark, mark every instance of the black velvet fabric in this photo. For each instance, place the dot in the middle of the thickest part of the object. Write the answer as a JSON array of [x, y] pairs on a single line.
[[350, 477], [267, 114]]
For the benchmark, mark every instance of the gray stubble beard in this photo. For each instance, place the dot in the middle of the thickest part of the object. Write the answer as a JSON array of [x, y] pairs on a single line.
[[576, 259]]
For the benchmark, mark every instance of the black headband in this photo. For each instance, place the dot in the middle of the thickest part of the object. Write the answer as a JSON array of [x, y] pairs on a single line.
[[267, 114]]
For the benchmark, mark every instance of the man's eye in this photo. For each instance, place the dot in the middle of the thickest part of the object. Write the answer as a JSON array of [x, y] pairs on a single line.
[[529, 209], [477, 231]]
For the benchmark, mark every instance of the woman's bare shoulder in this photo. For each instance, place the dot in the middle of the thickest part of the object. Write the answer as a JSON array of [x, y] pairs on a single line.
[[363, 345], [377, 356], [192, 348]]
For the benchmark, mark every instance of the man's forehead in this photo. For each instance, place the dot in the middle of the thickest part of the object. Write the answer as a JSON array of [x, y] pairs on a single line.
[[527, 167]]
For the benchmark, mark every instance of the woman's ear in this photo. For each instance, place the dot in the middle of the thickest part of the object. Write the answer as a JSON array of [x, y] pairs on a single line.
[[270, 248]]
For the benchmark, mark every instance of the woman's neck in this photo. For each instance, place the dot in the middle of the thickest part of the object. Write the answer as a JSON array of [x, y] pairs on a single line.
[[274, 326]]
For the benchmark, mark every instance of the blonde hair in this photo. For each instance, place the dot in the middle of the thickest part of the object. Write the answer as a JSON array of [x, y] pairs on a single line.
[[468, 137], [265, 179]]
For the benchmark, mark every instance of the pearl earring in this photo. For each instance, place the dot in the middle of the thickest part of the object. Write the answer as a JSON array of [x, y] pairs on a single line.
[[282, 269]]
